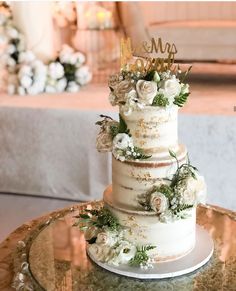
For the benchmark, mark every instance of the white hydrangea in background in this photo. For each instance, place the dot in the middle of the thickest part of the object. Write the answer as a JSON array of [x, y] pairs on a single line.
[[28, 75]]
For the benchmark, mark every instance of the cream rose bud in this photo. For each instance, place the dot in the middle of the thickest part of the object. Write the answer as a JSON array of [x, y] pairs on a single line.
[[171, 88], [158, 202], [122, 141], [156, 77], [146, 90], [122, 89]]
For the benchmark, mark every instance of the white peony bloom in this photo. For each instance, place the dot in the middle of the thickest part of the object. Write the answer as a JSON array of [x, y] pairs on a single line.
[[106, 238], [125, 252], [122, 141], [83, 75], [146, 90], [170, 88], [158, 202], [26, 81], [56, 70]]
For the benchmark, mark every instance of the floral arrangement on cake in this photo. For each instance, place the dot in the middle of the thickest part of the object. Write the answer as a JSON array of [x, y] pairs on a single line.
[[28, 75], [115, 137], [182, 192], [135, 90], [106, 240]]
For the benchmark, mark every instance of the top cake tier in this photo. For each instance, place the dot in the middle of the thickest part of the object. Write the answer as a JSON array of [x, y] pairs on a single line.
[[154, 129]]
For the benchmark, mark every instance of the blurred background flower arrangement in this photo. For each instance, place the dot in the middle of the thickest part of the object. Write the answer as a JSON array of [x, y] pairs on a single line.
[[27, 74]]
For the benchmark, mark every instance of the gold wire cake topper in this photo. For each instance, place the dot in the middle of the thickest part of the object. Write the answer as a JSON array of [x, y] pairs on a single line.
[[147, 56]]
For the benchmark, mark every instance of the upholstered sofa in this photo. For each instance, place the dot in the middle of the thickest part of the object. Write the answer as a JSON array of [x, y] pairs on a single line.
[[202, 31]]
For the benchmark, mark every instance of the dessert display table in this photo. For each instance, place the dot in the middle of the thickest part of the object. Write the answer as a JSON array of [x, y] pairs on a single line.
[[50, 254]]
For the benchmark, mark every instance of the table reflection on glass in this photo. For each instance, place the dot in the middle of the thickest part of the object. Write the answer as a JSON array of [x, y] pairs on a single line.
[[51, 255]]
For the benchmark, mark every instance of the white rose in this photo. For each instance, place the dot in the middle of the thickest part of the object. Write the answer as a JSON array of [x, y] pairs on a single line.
[[56, 70], [146, 90], [125, 252], [122, 141], [170, 88], [61, 85], [26, 81], [50, 89], [122, 89], [73, 87], [83, 75], [188, 197], [195, 190], [158, 202]]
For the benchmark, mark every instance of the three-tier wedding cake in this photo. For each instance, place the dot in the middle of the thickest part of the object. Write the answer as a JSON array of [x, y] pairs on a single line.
[[149, 211]]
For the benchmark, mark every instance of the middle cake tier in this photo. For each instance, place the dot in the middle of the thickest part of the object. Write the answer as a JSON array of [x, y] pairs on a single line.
[[132, 178]]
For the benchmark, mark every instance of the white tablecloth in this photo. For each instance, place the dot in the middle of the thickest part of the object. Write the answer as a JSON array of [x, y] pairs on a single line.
[[47, 148]]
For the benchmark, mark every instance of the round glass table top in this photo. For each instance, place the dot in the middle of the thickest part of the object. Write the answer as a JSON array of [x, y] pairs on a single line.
[[53, 257]]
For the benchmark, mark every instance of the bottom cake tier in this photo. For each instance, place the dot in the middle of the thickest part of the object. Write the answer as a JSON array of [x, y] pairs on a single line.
[[172, 239]]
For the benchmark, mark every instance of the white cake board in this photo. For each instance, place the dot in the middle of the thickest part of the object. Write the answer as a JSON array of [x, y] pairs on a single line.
[[198, 257]]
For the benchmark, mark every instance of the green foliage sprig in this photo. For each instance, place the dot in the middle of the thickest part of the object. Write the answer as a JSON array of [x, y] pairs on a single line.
[[182, 172], [181, 99], [160, 100], [141, 257], [123, 128], [98, 218]]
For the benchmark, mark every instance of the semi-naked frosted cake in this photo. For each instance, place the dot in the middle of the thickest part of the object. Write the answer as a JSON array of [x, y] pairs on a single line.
[[149, 212]]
